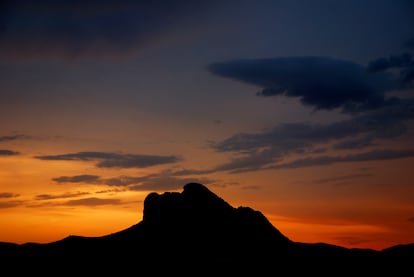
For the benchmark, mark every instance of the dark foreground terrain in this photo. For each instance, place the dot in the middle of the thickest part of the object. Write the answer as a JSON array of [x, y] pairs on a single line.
[[195, 232]]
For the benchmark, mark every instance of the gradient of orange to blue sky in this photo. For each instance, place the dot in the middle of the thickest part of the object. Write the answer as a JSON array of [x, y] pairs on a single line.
[[302, 110]]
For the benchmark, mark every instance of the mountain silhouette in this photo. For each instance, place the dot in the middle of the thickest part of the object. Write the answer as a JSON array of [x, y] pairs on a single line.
[[196, 232]]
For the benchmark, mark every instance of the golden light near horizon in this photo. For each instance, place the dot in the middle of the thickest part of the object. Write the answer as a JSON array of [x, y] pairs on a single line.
[[93, 208]]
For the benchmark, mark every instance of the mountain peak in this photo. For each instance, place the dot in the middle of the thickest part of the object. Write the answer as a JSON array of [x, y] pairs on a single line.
[[195, 201], [197, 190], [197, 210], [196, 186]]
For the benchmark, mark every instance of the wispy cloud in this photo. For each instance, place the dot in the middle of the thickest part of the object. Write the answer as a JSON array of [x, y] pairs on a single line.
[[113, 160], [165, 180], [13, 137], [10, 204], [59, 196], [375, 155], [236, 166], [119, 181], [251, 187], [342, 178], [8, 195], [91, 201], [270, 149], [5, 152], [11, 201], [77, 179]]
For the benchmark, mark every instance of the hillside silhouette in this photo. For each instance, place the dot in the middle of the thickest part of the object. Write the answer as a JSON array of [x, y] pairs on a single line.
[[196, 232]]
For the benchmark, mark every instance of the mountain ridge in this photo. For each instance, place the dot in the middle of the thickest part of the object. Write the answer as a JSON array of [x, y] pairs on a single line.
[[201, 229]]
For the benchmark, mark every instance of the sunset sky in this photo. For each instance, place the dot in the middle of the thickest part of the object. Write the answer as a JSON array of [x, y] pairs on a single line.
[[303, 110]]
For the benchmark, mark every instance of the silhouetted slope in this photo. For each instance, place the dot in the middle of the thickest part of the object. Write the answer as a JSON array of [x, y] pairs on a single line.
[[199, 227], [196, 231]]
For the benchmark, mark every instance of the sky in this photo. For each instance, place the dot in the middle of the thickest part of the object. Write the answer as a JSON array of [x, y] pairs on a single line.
[[303, 110]]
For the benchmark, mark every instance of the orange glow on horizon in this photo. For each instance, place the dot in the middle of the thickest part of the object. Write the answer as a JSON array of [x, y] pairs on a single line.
[[42, 210], [350, 235], [50, 225]]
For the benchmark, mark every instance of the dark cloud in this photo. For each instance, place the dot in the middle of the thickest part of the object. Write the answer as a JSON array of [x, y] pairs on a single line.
[[58, 196], [404, 63], [4, 152], [319, 82], [94, 179], [323, 83], [116, 160], [394, 61], [110, 191], [342, 178], [127, 161], [10, 204], [8, 195], [388, 122], [184, 172], [251, 187], [77, 179], [252, 161], [375, 155], [122, 181], [84, 28], [357, 143], [13, 137], [271, 149], [164, 180], [91, 201]]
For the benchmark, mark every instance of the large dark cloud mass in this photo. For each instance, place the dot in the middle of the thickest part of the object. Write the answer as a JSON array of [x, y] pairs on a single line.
[[113, 160], [82, 28], [320, 82]]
